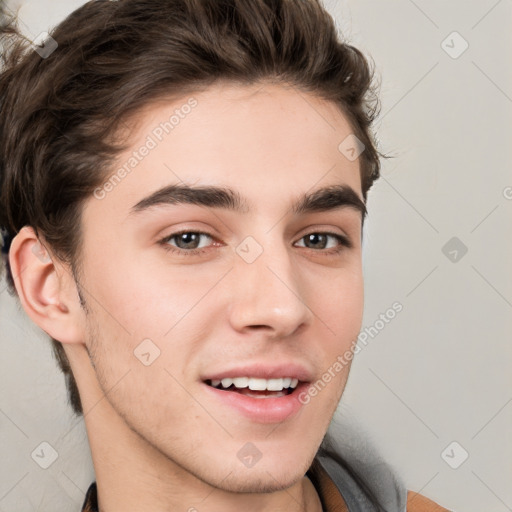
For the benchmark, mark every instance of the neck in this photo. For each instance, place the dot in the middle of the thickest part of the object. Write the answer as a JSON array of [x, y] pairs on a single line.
[[133, 475]]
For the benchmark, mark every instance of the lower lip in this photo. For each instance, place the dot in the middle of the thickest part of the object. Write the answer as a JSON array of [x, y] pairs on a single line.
[[261, 410]]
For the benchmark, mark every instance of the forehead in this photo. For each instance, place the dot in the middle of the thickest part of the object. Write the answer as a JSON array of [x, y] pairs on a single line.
[[270, 142]]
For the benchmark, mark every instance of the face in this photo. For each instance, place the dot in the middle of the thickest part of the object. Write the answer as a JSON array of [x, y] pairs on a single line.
[[186, 285]]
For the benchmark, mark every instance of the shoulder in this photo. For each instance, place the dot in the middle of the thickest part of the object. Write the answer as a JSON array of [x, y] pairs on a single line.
[[342, 488], [418, 503]]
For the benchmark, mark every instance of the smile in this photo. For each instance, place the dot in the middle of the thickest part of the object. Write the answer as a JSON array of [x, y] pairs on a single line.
[[256, 387]]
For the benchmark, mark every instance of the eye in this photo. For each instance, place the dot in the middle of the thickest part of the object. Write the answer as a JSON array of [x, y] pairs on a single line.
[[320, 241], [187, 242]]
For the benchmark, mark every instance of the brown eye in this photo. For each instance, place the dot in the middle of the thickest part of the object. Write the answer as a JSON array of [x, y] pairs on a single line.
[[316, 241], [320, 241], [189, 240], [186, 242]]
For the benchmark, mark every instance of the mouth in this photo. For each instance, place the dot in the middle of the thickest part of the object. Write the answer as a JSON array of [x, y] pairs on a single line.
[[262, 392], [255, 387]]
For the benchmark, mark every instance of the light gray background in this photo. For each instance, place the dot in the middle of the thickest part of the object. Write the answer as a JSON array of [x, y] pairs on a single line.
[[440, 370]]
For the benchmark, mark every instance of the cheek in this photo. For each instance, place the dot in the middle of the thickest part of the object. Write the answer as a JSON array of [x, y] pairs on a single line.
[[340, 305], [146, 300], [149, 299], [341, 313]]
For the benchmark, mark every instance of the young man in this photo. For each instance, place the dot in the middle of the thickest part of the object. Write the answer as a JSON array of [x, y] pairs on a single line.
[[184, 183]]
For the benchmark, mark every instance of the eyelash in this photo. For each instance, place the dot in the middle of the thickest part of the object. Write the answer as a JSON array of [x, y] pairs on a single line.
[[344, 243]]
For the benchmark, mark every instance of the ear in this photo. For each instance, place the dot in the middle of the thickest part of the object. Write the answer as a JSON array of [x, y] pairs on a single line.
[[46, 288]]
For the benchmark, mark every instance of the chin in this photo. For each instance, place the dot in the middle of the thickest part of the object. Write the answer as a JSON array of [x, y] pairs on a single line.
[[262, 481]]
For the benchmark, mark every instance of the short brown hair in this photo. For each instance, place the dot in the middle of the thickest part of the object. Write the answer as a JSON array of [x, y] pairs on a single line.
[[60, 115]]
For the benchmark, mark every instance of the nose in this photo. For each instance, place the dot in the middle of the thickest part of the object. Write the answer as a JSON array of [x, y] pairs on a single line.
[[268, 294]]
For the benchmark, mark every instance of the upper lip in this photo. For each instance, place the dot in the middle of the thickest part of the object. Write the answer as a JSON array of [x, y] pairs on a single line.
[[264, 371]]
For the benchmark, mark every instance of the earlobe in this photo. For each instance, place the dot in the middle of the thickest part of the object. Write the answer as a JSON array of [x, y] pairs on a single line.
[[45, 288]]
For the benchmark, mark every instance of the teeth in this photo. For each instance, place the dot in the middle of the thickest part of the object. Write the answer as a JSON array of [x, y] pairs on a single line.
[[275, 384], [226, 382], [241, 382], [256, 384]]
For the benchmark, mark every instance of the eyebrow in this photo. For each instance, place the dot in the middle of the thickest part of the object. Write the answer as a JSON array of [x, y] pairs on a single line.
[[325, 199]]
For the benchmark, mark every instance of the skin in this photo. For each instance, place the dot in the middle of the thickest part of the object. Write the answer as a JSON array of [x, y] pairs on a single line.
[[158, 441]]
